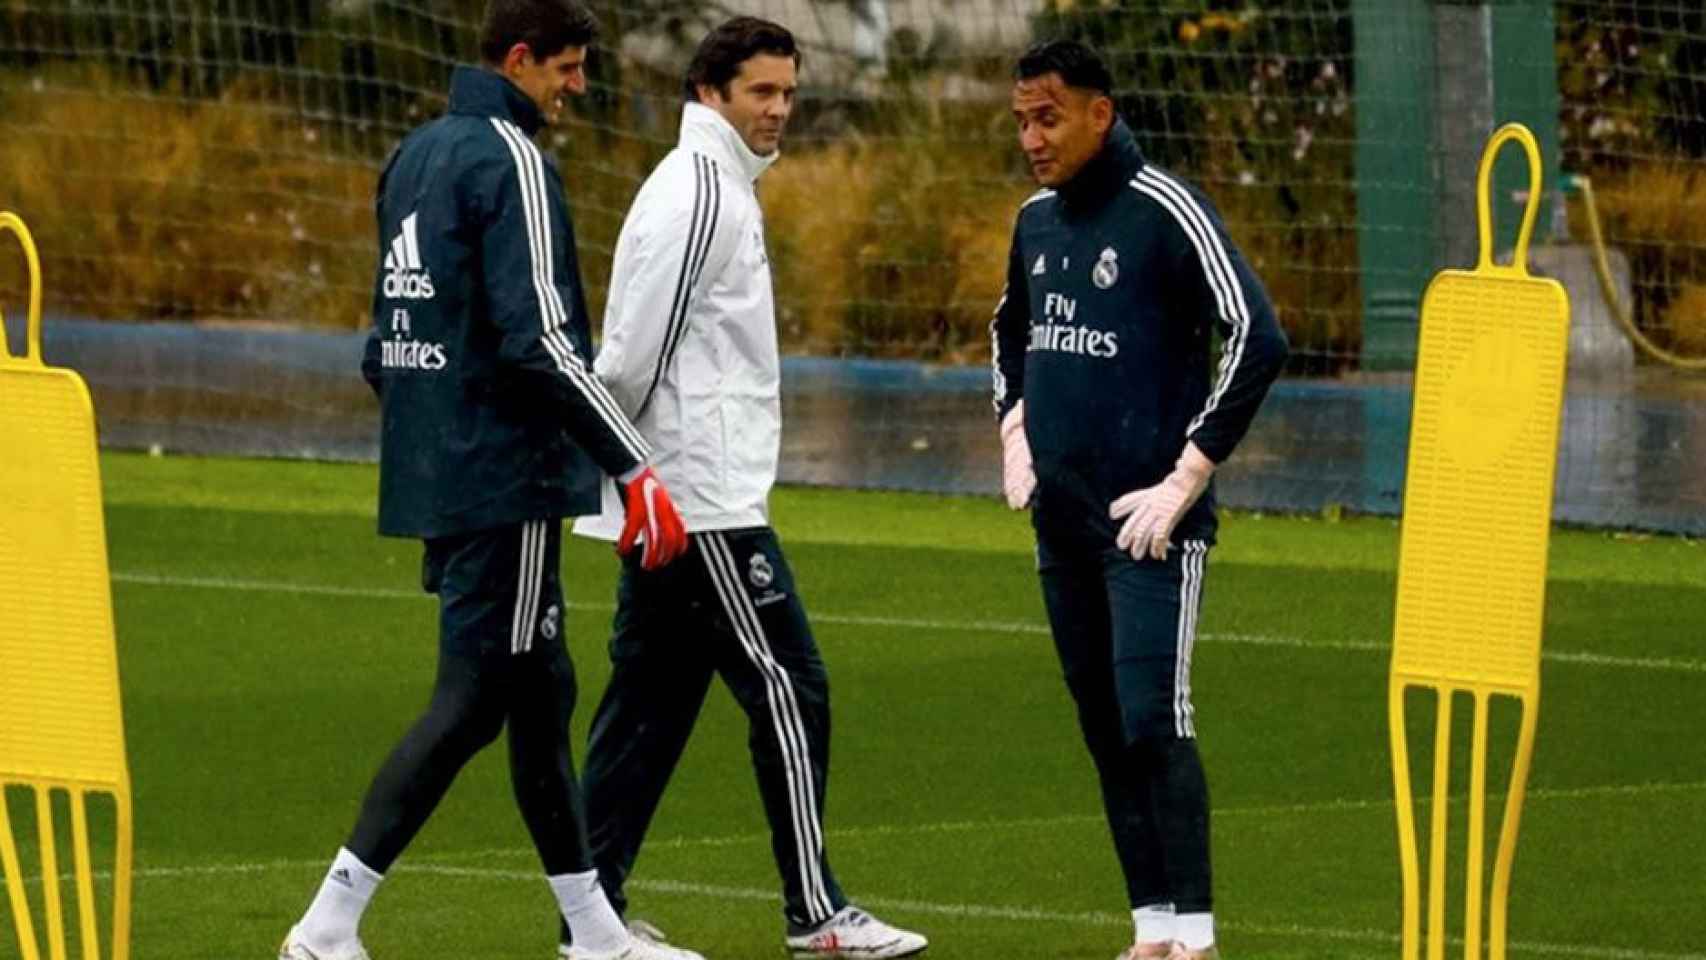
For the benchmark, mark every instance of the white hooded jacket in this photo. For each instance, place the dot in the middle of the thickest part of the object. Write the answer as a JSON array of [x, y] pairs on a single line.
[[689, 347]]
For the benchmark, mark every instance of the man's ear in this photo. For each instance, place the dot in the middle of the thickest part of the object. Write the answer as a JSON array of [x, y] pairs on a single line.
[[518, 56], [1102, 113], [709, 94]]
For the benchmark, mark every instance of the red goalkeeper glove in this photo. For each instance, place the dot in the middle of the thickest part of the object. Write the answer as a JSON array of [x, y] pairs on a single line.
[[651, 517]]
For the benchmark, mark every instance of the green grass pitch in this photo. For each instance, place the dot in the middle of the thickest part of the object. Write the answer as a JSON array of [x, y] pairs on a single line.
[[273, 648]]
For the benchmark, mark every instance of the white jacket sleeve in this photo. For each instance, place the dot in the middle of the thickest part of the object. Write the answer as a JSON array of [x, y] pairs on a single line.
[[676, 239]]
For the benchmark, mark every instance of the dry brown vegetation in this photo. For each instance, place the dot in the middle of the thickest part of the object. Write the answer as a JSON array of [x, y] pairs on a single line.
[[1657, 216], [154, 207]]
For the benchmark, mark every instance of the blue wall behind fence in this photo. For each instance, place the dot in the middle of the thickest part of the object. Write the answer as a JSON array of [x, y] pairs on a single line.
[[1630, 456]]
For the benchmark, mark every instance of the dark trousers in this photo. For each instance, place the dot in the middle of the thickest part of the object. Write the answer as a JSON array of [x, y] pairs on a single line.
[[501, 662], [727, 608], [1124, 630]]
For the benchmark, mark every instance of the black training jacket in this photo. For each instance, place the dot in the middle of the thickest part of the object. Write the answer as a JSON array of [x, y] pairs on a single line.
[[480, 351], [1116, 285]]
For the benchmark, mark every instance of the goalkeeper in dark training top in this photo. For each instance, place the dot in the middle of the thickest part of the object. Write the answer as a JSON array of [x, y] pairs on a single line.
[[1113, 417]]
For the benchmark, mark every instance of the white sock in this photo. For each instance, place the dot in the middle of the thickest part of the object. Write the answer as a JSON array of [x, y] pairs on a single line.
[[335, 914], [592, 922], [1196, 930], [1154, 923]]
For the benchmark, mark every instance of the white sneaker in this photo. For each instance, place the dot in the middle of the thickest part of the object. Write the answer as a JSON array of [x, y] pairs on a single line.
[[637, 948], [1150, 950], [646, 930], [293, 948], [854, 933], [642, 930]]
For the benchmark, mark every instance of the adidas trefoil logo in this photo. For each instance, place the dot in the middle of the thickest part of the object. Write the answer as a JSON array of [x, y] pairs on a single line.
[[405, 278]]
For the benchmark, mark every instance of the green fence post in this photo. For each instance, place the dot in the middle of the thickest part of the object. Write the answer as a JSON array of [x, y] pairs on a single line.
[[1525, 90], [1463, 120], [1396, 187]]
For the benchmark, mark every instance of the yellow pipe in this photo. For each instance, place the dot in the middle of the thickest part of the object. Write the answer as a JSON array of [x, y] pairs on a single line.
[[15, 885], [1483, 206], [1475, 878], [85, 874], [51, 904], [1436, 839], [1530, 703], [1403, 794], [11, 222], [1608, 289], [121, 871]]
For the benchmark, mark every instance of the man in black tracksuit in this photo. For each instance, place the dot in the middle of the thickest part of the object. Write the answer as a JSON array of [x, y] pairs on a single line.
[[493, 428], [1112, 421]]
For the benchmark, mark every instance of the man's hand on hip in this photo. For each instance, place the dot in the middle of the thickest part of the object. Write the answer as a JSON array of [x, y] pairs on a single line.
[[1153, 512], [1018, 479], [651, 517]]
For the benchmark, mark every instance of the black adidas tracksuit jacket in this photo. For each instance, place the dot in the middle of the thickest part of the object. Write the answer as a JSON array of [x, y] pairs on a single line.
[[480, 350], [1114, 284]]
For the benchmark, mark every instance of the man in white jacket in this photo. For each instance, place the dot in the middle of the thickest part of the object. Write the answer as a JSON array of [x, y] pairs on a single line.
[[690, 354]]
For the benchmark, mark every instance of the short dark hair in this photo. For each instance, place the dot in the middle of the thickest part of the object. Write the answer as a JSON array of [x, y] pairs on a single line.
[[1078, 64], [546, 26], [720, 54]]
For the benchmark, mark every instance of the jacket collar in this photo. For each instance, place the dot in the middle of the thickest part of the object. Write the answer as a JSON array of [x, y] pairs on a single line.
[[704, 130], [1106, 173], [486, 93]]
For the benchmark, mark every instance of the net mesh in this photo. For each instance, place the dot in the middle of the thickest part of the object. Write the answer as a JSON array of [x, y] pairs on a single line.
[[1632, 77], [213, 161]]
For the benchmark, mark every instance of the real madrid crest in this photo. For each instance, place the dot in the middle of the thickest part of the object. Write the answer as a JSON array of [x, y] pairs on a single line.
[[759, 572], [1106, 272]]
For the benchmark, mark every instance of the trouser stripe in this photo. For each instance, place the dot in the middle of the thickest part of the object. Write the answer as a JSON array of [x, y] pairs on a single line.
[[785, 718], [1190, 598], [530, 579]]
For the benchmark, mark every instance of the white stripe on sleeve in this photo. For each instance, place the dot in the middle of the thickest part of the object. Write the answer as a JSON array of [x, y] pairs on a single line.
[[552, 315], [1217, 268]]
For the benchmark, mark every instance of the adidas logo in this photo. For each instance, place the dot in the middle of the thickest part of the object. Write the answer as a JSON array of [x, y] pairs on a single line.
[[405, 278], [1041, 266], [342, 876]]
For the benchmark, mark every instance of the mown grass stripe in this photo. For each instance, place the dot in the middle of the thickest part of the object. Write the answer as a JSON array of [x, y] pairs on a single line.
[[966, 911], [1573, 657]]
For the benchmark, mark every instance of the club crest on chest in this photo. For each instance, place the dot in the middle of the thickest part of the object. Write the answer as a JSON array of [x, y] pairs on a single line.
[[1106, 271]]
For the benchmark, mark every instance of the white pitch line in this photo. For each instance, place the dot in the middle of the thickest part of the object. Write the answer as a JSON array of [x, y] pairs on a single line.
[[1573, 657], [265, 586], [964, 911], [1588, 658], [1083, 819]]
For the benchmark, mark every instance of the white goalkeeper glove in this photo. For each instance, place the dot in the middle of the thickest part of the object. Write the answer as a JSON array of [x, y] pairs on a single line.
[[1018, 479], [1153, 512]]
